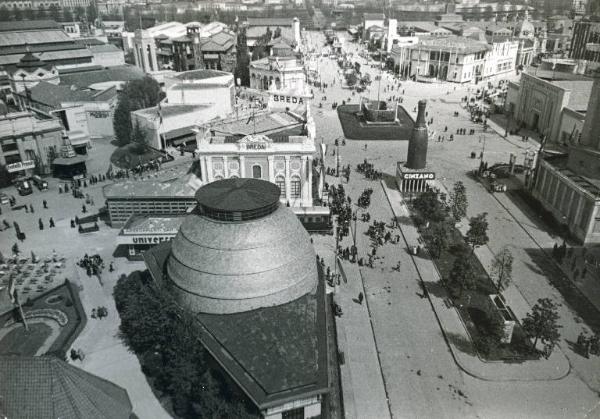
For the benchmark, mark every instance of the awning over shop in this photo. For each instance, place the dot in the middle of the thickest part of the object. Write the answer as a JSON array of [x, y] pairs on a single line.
[[68, 161]]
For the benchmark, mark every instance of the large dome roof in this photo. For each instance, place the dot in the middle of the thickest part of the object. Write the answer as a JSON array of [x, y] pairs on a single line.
[[233, 266]]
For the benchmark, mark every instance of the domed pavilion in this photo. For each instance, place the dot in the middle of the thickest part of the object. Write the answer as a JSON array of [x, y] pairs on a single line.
[[245, 266]]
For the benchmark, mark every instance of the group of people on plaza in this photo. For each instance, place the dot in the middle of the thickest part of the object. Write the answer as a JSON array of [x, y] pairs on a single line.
[[93, 265]]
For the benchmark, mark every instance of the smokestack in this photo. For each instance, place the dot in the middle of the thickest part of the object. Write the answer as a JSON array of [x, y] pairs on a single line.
[[417, 145]]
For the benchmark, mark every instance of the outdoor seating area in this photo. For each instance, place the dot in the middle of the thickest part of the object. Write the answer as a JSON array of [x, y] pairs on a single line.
[[33, 277]]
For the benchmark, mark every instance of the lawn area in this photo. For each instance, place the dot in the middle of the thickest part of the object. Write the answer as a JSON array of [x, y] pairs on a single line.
[[132, 155], [474, 306], [25, 343], [356, 129], [63, 298]]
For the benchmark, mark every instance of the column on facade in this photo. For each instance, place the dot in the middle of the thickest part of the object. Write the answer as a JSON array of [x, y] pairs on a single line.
[[303, 177], [203, 169], [144, 54], [153, 56], [225, 168], [21, 149], [287, 178], [242, 166], [209, 170], [271, 162], [310, 179]]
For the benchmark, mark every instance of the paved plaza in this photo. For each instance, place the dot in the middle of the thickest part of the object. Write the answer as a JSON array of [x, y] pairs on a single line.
[[418, 341], [404, 355]]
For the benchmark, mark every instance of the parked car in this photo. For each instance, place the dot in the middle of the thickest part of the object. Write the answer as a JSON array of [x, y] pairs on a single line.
[[24, 188], [4, 198], [40, 183]]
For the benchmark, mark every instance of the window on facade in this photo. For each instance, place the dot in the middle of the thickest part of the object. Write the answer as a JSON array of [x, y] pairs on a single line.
[[6, 147], [295, 187], [280, 181], [257, 172], [297, 413]]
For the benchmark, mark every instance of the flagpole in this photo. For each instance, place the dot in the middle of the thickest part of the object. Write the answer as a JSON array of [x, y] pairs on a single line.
[[21, 311]]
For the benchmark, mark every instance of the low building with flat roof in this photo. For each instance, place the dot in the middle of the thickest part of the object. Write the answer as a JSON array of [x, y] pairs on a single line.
[[141, 232]]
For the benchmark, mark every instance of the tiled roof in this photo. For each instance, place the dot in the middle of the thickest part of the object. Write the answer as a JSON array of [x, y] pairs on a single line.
[[46, 387], [460, 43]]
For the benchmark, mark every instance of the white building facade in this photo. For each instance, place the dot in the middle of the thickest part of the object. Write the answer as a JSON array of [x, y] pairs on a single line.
[[277, 73]]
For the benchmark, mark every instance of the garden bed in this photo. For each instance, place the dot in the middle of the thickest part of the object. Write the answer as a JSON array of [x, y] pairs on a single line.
[[357, 129], [474, 307]]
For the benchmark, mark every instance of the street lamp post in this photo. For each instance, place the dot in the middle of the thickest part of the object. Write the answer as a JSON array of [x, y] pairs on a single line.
[[483, 146]]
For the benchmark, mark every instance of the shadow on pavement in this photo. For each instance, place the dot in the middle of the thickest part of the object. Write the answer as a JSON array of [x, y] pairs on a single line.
[[436, 289], [461, 343], [575, 299]]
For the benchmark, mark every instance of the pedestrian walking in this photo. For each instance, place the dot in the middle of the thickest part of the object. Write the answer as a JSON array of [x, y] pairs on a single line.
[[51, 222], [45, 203], [360, 297], [31, 208], [41, 224], [83, 208]]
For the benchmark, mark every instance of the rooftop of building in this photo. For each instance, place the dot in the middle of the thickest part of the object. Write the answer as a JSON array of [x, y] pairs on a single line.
[[179, 187], [553, 76], [168, 110], [32, 37], [26, 25], [560, 162], [41, 387], [269, 21], [201, 74], [580, 93], [272, 124], [53, 95], [85, 77], [104, 48], [18, 124], [422, 26], [294, 362], [238, 195], [452, 43], [152, 224], [373, 16]]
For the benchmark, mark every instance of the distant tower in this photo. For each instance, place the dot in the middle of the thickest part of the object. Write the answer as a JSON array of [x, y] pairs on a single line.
[[144, 48], [417, 146]]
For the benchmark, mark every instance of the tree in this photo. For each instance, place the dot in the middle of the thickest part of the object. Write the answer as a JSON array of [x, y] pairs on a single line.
[[137, 94], [41, 13], [67, 14], [242, 65], [458, 201], [54, 12], [477, 233], [122, 120], [29, 14], [437, 238], [4, 14], [429, 206], [139, 137], [79, 13], [501, 271], [17, 14], [277, 33], [92, 12], [462, 275], [541, 324]]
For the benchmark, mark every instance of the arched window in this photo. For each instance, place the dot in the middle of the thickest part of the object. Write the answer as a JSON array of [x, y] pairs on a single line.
[[280, 181], [257, 171], [295, 187], [277, 83]]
